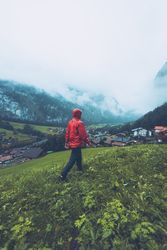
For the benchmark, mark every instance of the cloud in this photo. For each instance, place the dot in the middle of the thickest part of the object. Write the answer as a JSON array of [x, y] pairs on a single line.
[[109, 47], [160, 85]]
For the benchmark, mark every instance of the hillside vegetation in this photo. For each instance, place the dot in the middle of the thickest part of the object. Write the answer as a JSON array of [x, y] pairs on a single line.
[[157, 117], [12, 134], [19, 102], [16, 134], [43, 129], [119, 202], [153, 118]]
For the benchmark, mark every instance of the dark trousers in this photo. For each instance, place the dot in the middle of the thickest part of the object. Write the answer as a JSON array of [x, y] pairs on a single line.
[[76, 157]]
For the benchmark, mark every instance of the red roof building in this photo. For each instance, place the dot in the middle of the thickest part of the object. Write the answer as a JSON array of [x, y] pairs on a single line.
[[5, 158], [119, 144], [160, 129]]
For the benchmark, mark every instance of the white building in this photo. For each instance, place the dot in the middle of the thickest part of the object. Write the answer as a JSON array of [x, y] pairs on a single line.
[[137, 132]]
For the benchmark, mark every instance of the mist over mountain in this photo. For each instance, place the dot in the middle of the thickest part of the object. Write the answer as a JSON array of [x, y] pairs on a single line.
[[158, 116], [158, 93], [27, 103], [160, 86], [98, 100], [161, 77]]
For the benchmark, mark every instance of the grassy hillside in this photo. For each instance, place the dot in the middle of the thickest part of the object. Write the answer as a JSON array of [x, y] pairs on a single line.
[[55, 159], [15, 135], [44, 129], [20, 137], [153, 118], [119, 202]]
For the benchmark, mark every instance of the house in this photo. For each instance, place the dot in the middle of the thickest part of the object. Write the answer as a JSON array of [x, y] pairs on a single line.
[[53, 130], [33, 153], [17, 152], [6, 145], [160, 129], [96, 141], [6, 158], [108, 141], [139, 132], [121, 135], [160, 133], [40, 143], [120, 140], [149, 133], [118, 144]]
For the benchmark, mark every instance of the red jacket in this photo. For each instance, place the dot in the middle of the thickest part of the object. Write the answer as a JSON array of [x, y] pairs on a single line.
[[76, 134]]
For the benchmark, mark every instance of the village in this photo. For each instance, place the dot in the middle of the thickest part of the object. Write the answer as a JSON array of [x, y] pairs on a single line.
[[14, 153], [13, 156], [135, 136]]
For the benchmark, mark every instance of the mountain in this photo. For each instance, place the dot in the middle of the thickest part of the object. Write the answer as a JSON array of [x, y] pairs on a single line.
[[97, 100], [27, 103], [160, 86], [161, 77], [108, 106], [156, 117]]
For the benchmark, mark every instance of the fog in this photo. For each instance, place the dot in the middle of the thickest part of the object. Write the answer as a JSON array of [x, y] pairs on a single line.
[[111, 47]]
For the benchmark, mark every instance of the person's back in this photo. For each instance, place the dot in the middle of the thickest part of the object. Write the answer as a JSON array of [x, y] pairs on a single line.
[[76, 136]]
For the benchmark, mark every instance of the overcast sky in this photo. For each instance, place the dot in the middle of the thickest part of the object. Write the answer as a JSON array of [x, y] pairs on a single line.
[[113, 47]]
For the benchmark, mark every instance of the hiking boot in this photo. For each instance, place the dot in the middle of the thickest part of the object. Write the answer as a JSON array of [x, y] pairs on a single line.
[[62, 178], [79, 170]]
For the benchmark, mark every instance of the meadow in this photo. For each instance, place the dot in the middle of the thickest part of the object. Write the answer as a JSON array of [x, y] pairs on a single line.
[[15, 135], [42, 128], [118, 202], [24, 137]]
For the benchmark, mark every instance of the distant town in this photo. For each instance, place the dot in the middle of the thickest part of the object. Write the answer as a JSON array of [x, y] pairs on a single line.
[[34, 145], [14, 152], [126, 138]]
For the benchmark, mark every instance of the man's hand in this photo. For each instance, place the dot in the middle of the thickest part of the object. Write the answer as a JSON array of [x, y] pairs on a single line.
[[90, 145], [66, 145], [93, 145]]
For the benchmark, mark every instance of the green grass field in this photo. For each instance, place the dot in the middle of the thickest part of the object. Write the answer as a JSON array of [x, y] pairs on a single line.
[[58, 158], [44, 129], [119, 202], [24, 137], [11, 134], [95, 126]]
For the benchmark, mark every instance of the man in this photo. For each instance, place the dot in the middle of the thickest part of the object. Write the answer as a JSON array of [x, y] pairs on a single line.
[[76, 137]]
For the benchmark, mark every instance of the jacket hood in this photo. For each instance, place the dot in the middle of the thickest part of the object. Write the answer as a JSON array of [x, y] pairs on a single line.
[[77, 113]]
